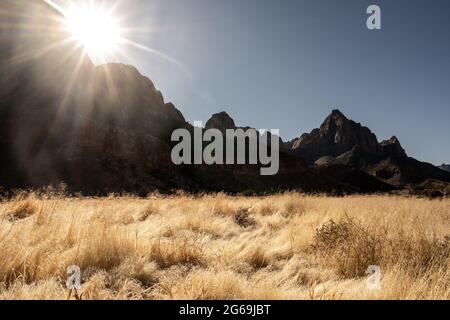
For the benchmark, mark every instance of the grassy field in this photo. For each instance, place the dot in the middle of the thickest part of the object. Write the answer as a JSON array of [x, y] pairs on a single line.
[[287, 246]]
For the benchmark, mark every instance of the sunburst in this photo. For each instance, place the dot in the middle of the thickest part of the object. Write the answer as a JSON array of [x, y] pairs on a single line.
[[96, 29]]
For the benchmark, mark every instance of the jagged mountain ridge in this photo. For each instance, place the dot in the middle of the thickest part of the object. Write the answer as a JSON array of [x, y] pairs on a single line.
[[342, 143], [338, 135]]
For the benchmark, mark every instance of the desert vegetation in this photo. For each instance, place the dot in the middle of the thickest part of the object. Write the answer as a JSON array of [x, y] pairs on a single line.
[[286, 246]]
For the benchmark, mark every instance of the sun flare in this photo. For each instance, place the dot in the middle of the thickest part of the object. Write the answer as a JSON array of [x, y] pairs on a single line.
[[95, 29]]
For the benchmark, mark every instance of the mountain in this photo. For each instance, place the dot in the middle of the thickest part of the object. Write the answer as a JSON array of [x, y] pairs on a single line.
[[338, 135], [341, 143], [101, 129], [221, 121], [335, 136], [65, 120], [294, 172], [445, 167]]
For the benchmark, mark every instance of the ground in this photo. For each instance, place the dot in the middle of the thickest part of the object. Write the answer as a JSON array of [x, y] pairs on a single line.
[[286, 246]]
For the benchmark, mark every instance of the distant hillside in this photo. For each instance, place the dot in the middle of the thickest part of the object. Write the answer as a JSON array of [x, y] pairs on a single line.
[[445, 167]]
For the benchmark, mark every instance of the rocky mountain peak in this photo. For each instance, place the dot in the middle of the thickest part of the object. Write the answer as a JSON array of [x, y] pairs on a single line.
[[336, 135], [393, 147], [392, 140], [335, 119], [336, 113], [221, 121]]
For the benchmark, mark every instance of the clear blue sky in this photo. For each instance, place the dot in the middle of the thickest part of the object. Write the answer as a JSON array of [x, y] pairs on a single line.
[[285, 64]]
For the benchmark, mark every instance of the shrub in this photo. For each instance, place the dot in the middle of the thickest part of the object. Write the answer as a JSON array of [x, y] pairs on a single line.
[[349, 247], [242, 218]]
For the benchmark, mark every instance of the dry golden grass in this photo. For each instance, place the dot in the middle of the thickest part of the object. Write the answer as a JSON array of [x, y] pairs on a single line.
[[287, 246]]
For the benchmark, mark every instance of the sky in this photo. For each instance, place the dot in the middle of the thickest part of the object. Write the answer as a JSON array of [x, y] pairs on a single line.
[[286, 64]]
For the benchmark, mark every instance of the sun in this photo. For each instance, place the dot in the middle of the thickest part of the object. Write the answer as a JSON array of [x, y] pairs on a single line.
[[94, 28]]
